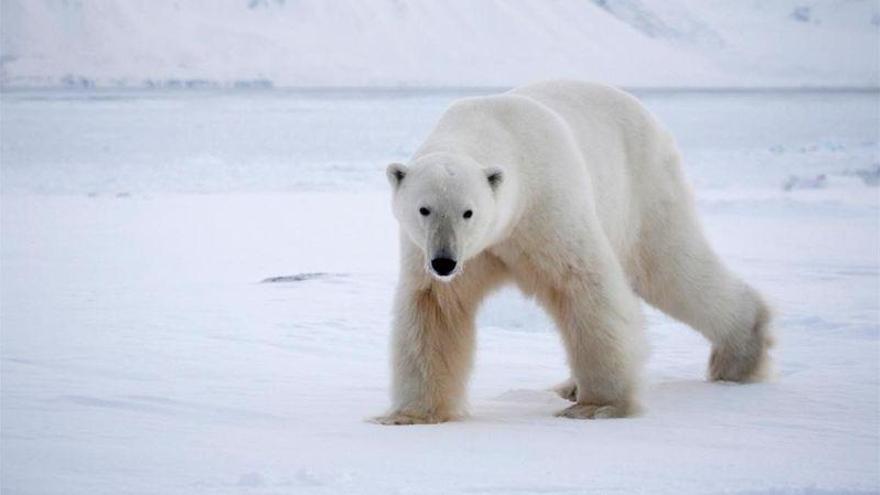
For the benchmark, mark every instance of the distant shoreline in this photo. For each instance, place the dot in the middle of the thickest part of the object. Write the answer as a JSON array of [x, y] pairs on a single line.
[[419, 90]]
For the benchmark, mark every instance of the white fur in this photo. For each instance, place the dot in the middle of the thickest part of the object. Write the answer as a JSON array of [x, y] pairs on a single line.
[[589, 212]]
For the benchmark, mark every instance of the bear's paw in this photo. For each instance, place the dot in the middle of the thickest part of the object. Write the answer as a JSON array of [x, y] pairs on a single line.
[[594, 411], [568, 390], [410, 418]]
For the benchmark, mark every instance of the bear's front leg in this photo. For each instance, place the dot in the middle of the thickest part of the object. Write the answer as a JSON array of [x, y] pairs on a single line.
[[600, 320], [432, 354]]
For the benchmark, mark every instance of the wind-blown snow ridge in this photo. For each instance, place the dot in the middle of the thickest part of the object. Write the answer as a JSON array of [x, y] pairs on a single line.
[[393, 43]]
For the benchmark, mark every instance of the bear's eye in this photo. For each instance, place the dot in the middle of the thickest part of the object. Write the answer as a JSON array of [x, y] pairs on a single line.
[[424, 211], [468, 214]]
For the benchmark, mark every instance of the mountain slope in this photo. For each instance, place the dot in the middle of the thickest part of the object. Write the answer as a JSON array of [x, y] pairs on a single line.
[[422, 43]]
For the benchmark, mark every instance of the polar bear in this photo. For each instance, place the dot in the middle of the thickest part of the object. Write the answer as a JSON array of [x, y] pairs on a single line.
[[573, 192]]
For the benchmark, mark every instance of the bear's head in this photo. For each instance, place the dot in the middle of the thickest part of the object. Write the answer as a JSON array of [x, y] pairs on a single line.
[[447, 206]]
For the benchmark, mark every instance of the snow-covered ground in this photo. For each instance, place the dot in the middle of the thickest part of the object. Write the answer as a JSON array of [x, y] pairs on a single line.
[[142, 354], [297, 43]]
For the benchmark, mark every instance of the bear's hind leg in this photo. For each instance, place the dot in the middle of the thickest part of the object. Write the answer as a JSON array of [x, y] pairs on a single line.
[[682, 276]]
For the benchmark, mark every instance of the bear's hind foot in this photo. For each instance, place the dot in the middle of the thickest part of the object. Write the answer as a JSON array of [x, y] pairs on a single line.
[[729, 364], [596, 411], [567, 390], [747, 361]]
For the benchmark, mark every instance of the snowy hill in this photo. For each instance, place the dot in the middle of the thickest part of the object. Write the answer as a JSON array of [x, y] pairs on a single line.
[[451, 43]]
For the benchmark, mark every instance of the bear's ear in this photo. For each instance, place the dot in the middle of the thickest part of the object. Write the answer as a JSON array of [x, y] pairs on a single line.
[[396, 172], [495, 176]]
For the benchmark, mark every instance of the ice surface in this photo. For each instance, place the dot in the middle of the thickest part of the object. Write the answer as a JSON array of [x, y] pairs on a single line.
[[141, 354]]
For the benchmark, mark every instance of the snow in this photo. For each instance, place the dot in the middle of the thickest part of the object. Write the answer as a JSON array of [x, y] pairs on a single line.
[[392, 43], [144, 351]]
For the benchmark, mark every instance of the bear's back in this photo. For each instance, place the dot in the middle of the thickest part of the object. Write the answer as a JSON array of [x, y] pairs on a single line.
[[603, 118], [630, 159]]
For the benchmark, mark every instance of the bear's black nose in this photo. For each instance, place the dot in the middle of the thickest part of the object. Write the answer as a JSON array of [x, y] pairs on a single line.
[[443, 266]]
